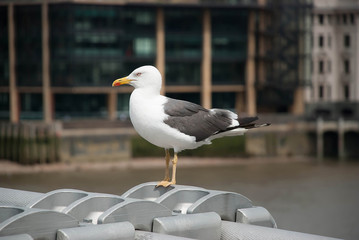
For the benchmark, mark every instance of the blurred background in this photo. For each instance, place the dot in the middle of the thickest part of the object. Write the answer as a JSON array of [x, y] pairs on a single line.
[[291, 62]]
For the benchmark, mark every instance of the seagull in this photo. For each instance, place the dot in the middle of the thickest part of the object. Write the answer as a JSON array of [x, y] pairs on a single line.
[[176, 124]]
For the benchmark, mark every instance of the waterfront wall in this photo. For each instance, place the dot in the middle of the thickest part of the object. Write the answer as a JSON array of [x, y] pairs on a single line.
[[280, 143], [94, 147], [31, 143]]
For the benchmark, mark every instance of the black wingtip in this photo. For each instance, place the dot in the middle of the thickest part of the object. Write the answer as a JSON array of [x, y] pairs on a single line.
[[246, 120], [255, 125]]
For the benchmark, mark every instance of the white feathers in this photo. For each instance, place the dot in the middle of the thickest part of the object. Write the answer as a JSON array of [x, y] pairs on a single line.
[[148, 115]]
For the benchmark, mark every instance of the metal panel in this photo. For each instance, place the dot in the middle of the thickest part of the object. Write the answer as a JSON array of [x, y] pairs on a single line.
[[138, 212], [39, 224], [111, 231], [255, 216], [199, 226]]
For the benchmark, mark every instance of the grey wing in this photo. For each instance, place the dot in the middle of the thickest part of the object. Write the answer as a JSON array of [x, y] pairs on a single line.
[[194, 120]]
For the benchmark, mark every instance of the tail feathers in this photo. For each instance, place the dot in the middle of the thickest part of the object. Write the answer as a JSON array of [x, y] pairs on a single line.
[[254, 125], [247, 123], [246, 120], [244, 125]]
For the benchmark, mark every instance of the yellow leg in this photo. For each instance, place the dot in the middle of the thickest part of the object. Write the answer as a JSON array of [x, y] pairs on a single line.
[[167, 171], [166, 183], [174, 166]]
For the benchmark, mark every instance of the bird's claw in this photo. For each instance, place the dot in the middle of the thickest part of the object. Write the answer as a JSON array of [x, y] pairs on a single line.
[[165, 183]]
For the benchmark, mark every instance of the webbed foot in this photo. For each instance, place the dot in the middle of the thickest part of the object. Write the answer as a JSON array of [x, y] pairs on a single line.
[[165, 183]]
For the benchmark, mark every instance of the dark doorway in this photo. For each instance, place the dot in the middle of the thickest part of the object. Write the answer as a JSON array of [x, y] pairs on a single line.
[[330, 144], [351, 140]]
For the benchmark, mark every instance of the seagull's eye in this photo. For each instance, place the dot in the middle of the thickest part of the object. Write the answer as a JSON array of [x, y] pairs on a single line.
[[138, 74]]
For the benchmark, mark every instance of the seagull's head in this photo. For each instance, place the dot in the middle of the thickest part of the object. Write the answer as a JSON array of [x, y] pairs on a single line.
[[147, 77]]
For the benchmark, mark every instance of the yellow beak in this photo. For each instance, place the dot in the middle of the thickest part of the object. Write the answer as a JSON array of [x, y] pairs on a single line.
[[121, 81]]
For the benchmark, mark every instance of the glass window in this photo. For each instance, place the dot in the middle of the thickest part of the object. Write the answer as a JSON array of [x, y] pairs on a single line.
[[183, 28], [183, 73], [4, 106], [145, 46], [346, 92], [229, 45], [352, 18], [92, 44], [128, 66], [190, 19], [4, 49], [229, 33], [321, 19], [225, 100], [138, 32], [139, 20], [85, 73], [191, 97], [346, 66], [321, 66], [321, 41], [100, 73], [321, 91], [123, 101], [347, 40], [28, 42], [31, 106], [87, 106], [228, 72], [178, 46]]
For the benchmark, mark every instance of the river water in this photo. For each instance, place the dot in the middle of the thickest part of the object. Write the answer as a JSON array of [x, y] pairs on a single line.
[[302, 196]]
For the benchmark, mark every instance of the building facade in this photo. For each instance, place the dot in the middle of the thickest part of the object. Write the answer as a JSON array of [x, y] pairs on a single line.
[[283, 56], [59, 58], [334, 92]]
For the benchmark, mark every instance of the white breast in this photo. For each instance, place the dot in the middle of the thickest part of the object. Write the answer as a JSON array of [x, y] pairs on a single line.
[[147, 116]]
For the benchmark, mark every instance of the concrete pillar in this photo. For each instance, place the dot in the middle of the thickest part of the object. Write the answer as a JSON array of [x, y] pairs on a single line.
[[14, 95], [341, 140], [161, 46], [298, 103], [320, 141], [262, 48], [112, 105], [46, 87], [206, 68], [250, 66], [239, 105]]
